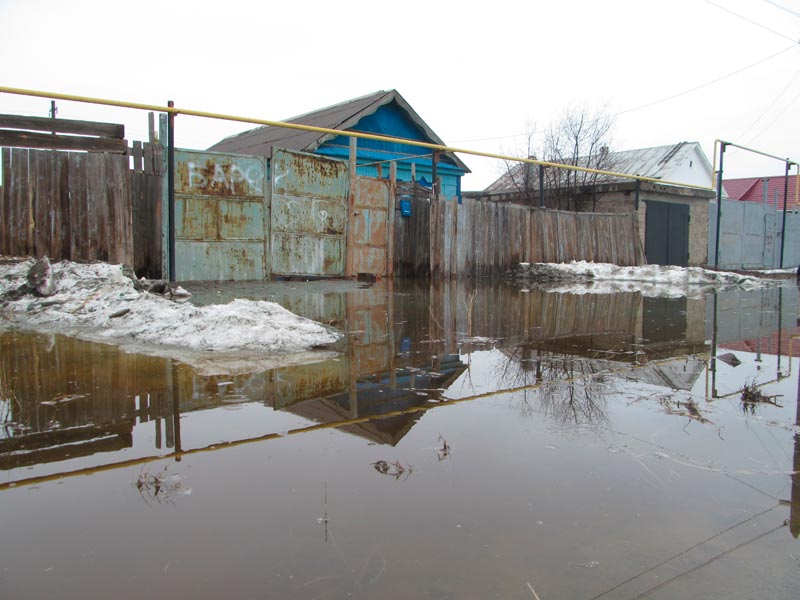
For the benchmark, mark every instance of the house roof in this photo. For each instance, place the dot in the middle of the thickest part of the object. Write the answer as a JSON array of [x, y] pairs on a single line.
[[343, 116], [751, 189], [658, 162]]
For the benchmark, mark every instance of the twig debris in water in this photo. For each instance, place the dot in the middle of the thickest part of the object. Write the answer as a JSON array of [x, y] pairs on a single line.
[[533, 591], [444, 451], [393, 468]]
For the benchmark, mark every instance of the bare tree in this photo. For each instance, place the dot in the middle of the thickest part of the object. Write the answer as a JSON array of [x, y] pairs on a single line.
[[580, 138], [522, 179]]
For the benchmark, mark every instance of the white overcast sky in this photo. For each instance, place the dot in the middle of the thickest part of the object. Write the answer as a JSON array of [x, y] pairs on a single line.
[[476, 72]]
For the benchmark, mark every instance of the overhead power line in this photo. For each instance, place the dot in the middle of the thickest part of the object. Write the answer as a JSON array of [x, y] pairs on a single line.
[[654, 102], [771, 104], [775, 120], [751, 21], [708, 83], [782, 7]]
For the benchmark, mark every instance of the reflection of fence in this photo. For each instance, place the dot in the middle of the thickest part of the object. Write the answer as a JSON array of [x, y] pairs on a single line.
[[481, 237]]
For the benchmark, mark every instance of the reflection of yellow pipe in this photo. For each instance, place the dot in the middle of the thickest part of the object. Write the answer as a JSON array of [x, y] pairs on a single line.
[[324, 130], [320, 426], [777, 379], [756, 385], [791, 351]]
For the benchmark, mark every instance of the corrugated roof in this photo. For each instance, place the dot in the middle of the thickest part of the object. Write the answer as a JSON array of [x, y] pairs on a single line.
[[658, 162], [751, 189], [342, 116]]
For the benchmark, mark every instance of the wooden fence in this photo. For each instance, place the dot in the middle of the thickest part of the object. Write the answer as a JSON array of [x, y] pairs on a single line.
[[66, 205], [146, 182], [89, 205], [479, 237]]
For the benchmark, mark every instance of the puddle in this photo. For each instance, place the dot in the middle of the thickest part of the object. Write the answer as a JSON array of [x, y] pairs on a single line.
[[464, 441]]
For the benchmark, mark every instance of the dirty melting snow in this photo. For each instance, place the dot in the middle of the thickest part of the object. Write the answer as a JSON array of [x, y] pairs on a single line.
[[581, 277], [89, 299]]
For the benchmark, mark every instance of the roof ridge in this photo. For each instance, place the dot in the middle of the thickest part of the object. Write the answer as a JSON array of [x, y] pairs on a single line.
[[380, 94]]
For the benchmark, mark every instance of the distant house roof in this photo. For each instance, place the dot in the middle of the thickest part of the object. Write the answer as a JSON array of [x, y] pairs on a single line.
[[659, 162], [343, 116], [751, 189]]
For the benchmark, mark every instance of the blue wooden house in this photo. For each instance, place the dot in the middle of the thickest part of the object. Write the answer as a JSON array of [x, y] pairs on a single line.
[[384, 113]]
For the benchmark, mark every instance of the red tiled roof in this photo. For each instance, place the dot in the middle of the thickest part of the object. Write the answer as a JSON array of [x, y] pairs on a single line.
[[751, 189]]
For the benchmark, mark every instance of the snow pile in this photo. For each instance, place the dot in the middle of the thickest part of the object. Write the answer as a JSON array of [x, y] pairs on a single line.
[[581, 277], [100, 302]]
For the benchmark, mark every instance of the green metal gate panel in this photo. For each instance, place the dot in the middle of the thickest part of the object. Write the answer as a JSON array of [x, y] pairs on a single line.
[[221, 217], [309, 214], [667, 233]]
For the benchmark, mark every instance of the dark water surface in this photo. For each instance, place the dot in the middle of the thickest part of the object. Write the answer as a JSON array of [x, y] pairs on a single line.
[[466, 442]]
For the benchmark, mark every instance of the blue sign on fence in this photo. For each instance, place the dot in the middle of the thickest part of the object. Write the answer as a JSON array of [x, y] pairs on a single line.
[[405, 208]]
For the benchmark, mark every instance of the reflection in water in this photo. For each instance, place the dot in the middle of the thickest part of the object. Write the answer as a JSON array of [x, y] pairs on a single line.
[[510, 503], [64, 398], [794, 518]]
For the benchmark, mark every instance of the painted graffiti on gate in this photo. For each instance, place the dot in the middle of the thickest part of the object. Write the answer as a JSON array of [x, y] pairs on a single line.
[[220, 176]]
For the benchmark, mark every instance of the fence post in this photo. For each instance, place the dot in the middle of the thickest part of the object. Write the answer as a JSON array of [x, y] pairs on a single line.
[[785, 203], [351, 208], [719, 203], [390, 219], [171, 188], [541, 186]]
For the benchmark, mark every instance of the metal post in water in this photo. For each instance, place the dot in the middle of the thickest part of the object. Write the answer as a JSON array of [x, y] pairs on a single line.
[[714, 350], [794, 511], [719, 203], [780, 328], [171, 188]]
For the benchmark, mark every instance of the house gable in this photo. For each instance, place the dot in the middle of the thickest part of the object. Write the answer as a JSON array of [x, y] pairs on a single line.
[[382, 113], [390, 120]]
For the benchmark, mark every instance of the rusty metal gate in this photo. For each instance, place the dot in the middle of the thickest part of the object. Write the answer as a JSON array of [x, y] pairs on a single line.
[[221, 217], [370, 229], [309, 214]]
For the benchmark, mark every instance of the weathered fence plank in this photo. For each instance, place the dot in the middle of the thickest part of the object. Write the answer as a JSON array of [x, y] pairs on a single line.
[[485, 238], [66, 205], [110, 130], [25, 139]]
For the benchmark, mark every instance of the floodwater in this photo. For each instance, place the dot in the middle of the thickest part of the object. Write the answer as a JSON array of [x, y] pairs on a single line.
[[468, 441]]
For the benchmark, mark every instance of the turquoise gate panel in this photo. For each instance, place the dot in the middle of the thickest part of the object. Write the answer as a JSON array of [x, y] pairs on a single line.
[[221, 217], [309, 214]]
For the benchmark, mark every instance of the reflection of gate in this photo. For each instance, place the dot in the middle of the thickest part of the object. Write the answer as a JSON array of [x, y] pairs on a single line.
[[220, 212], [309, 214], [666, 239], [664, 320], [370, 229]]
